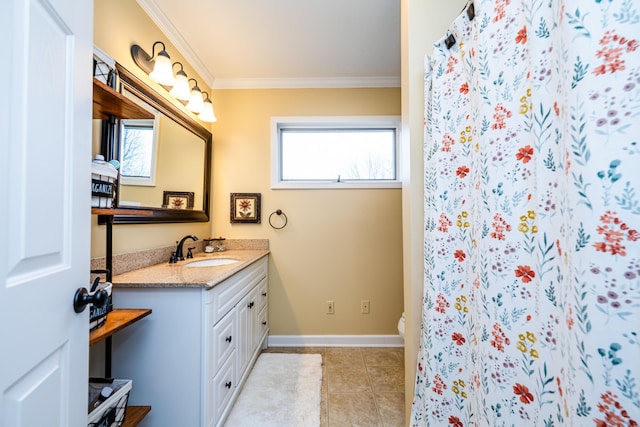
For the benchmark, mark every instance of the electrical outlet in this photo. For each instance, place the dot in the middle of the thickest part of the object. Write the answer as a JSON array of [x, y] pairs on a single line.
[[364, 306], [330, 307]]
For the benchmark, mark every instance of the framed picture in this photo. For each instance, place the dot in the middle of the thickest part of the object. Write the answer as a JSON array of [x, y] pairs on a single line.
[[245, 207], [177, 199]]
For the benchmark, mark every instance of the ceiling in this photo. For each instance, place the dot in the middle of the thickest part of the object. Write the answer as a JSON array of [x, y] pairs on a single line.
[[285, 43]]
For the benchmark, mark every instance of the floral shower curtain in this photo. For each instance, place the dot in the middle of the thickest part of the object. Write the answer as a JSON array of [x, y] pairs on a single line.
[[531, 309]]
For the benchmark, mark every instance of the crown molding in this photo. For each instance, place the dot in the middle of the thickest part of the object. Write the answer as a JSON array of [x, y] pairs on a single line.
[[174, 36], [307, 83]]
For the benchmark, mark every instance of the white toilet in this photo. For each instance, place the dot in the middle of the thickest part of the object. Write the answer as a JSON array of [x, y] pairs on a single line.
[[401, 326]]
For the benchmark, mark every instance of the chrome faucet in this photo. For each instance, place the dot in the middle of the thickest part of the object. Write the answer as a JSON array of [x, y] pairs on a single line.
[[179, 255]]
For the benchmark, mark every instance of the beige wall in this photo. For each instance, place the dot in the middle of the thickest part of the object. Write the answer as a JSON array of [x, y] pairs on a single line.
[[423, 23], [340, 245]]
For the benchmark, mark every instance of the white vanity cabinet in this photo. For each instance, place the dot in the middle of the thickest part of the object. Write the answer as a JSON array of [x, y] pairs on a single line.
[[196, 351]]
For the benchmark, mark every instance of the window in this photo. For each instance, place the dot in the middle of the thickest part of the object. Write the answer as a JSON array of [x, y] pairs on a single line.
[[139, 146], [138, 152], [335, 152]]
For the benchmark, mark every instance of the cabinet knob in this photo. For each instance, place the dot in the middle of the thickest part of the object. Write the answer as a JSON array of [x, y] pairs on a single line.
[[264, 294], [227, 384], [228, 339], [250, 305], [264, 323]]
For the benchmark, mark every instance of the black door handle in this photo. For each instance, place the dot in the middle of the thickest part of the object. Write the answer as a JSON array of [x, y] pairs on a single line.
[[82, 298]]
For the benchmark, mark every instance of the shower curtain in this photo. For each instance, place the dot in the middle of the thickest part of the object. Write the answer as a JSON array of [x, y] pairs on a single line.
[[531, 313]]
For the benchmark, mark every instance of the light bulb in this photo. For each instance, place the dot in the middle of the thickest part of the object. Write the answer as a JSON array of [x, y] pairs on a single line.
[[162, 72], [207, 114], [180, 88], [195, 101]]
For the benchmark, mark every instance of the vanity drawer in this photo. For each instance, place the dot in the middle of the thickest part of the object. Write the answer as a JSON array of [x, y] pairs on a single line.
[[224, 339], [262, 294], [263, 323], [224, 384], [226, 295]]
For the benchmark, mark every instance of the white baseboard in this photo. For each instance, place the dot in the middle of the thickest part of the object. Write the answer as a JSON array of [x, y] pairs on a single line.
[[335, 341]]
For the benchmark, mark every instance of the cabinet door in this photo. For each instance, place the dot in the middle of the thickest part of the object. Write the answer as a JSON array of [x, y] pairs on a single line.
[[247, 315], [263, 326], [261, 314], [223, 386], [224, 339], [262, 294]]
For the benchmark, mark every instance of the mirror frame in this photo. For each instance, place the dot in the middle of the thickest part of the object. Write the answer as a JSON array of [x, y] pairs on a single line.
[[110, 149]]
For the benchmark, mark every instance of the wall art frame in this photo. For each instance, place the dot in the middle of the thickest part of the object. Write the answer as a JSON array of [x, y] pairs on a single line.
[[245, 208], [177, 199]]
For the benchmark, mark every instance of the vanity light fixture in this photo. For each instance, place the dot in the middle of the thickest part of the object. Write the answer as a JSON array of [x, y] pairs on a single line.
[[160, 69], [180, 88], [157, 66], [195, 101], [207, 114]]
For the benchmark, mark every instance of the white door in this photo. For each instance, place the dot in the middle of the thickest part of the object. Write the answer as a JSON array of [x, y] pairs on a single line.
[[45, 155]]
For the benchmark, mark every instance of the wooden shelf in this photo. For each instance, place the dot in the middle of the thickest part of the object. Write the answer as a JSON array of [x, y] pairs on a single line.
[[117, 319], [135, 414], [116, 211], [107, 105], [107, 102]]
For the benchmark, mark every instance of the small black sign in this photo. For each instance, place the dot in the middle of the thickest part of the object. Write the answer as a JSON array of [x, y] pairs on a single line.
[[101, 188]]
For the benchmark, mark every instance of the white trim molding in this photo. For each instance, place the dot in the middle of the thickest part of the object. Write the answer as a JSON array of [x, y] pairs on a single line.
[[307, 83], [335, 341]]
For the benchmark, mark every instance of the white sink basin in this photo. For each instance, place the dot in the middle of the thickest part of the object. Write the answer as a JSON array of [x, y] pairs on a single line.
[[211, 262]]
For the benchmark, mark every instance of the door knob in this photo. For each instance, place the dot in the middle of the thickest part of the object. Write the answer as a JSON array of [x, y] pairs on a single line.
[[82, 298]]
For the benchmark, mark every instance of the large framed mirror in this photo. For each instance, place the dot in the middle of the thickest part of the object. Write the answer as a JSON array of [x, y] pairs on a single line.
[[165, 163]]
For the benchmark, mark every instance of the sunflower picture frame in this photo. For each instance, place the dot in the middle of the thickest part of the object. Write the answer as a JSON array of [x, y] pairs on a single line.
[[245, 208], [177, 199]]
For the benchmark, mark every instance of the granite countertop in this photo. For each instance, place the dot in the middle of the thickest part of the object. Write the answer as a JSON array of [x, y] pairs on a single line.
[[176, 275]]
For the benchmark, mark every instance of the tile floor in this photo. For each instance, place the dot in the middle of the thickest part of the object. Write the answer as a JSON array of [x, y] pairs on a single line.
[[361, 386]]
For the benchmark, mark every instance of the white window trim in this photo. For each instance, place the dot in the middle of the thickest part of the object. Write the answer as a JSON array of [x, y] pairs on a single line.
[[340, 121]]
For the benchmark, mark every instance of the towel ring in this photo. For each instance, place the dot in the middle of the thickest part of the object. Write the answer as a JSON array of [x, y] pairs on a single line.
[[278, 212]]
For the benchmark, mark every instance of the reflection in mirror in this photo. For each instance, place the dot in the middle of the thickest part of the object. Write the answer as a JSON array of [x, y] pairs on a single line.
[[168, 155], [158, 156], [138, 152]]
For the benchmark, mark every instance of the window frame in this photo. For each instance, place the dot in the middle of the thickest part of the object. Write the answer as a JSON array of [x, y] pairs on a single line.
[[154, 125], [331, 122]]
